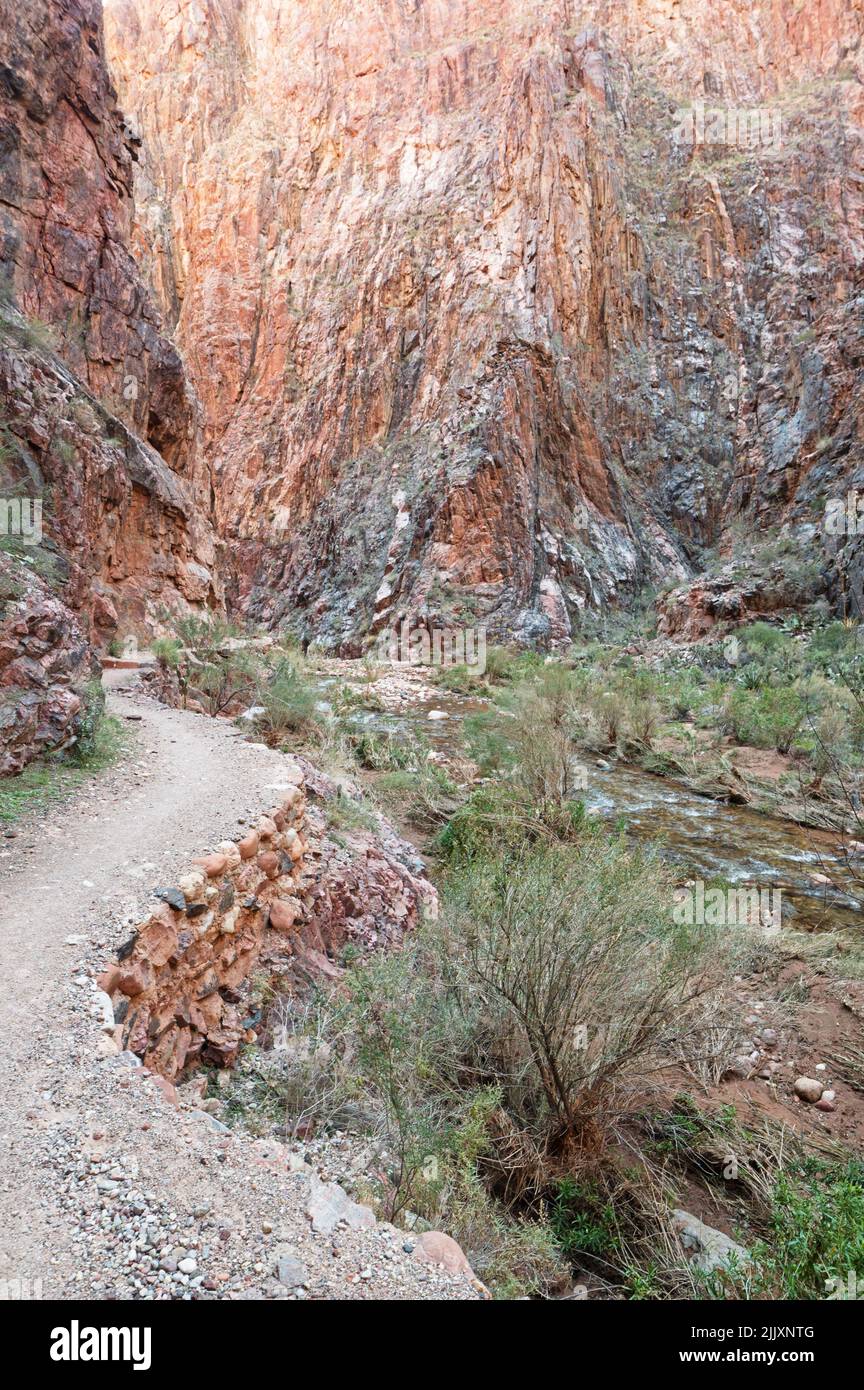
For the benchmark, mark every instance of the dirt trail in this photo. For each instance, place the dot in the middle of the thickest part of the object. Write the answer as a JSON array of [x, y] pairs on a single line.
[[99, 1174]]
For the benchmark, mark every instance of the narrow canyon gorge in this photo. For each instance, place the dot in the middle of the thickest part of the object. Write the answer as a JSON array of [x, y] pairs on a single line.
[[538, 320], [429, 309]]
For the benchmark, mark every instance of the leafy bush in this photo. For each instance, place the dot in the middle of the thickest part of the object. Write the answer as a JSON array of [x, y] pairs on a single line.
[[682, 691], [579, 948], [830, 646], [350, 813], [289, 703], [761, 638], [485, 735], [388, 752], [460, 679], [225, 680], [167, 650], [491, 815], [766, 718], [212, 661], [816, 1230], [830, 740], [90, 720], [427, 798], [541, 739]]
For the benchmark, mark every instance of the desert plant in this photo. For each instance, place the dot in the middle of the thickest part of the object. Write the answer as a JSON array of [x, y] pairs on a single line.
[[224, 681], [387, 752], [89, 721], [427, 798], [167, 651], [288, 703], [815, 1235], [770, 717], [580, 947]]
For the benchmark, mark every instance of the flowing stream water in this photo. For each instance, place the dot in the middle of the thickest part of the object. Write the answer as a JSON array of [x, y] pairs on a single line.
[[711, 840]]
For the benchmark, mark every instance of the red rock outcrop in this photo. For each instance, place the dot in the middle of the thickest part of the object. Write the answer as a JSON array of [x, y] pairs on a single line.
[[65, 212], [48, 672], [483, 325], [96, 420]]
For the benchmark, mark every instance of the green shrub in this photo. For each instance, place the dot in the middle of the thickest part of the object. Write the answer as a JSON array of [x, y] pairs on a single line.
[[389, 752], [762, 639], [224, 680], [486, 742], [427, 798], [289, 703], [350, 813], [583, 1219], [49, 780], [831, 643], [816, 1230], [681, 691], [830, 740], [90, 719], [579, 948], [766, 718], [460, 679], [167, 650], [491, 816]]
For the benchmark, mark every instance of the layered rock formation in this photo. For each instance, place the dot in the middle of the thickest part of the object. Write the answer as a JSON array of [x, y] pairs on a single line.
[[485, 326], [96, 420], [49, 674]]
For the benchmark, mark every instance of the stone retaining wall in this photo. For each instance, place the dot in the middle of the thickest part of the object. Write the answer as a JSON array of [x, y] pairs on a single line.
[[285, 897]]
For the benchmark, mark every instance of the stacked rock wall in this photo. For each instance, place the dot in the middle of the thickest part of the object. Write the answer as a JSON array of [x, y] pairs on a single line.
[[285, 898]]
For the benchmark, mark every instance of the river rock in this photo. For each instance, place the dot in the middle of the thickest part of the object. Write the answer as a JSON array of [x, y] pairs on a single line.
[[708, 1249], [808, 1089], [328, 1204]]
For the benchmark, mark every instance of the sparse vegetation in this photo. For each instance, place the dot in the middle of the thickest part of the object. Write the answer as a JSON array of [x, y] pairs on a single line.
[[497, 1065], [52, 779]]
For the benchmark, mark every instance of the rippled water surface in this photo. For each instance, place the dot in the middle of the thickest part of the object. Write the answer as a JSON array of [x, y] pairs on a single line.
[[710, 839]]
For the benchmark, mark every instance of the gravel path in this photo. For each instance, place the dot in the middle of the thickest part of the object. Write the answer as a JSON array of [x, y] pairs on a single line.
[[107, 1189]]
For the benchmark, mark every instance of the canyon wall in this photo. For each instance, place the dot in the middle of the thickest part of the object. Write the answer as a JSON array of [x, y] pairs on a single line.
[[97, 424], [481, 329], [97, 419], [440, 308]]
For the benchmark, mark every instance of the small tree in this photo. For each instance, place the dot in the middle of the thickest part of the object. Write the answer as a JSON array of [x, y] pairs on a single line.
[[581, 947]]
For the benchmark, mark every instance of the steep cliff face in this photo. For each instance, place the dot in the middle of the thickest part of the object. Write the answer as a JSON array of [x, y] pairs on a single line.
[[97, 420], [480, 326]]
